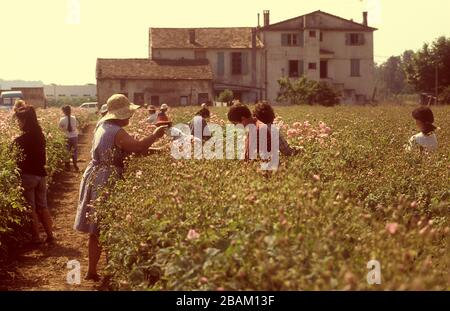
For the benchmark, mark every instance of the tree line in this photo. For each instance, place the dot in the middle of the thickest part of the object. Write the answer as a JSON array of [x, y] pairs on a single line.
[[424, 71]]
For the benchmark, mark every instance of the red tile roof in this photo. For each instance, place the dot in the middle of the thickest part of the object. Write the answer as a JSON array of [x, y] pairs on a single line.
[[146, 69], [205, 38]]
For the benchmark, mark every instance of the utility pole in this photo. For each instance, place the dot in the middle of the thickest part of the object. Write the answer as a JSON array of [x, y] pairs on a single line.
[[436, 83]]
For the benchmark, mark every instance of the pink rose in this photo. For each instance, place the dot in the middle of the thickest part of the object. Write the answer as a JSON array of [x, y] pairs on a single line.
[[392, 227], [192, 235]]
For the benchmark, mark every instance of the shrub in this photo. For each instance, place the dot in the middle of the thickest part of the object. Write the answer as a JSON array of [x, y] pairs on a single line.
[[305, 91], [444, 97], [226, 96]]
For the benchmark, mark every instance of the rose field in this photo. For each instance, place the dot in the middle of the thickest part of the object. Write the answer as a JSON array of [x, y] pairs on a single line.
[[352, 195], [14, 215]]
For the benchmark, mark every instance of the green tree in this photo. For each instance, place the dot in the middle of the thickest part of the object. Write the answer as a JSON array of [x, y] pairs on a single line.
[[226, 96]]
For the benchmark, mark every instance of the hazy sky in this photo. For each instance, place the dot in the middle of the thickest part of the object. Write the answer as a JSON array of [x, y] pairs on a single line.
[[48, 40]]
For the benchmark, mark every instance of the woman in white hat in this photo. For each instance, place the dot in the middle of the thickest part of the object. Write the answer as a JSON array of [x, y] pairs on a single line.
[[110, 145]]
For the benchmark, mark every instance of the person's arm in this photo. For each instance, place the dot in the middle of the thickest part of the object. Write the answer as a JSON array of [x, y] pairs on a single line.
[[285, 148], [61, 123], [126, 142]]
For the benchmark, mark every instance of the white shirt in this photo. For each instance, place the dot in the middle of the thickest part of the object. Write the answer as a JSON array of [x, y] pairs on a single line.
[[428, 142], [64, 123], [152, 118]]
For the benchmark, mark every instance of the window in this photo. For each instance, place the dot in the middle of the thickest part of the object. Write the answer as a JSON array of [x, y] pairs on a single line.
[[291, 39], [355, 65], [203, 98], [355, 39], [200, 54], [236, 63], [295, 68], [154, 100], [312, 66], [323, 69], [138, 98], [220, 64], [312, 33]]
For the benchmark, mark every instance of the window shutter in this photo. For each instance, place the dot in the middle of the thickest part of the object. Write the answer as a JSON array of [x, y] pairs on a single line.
[[220, 64], [347, 39], [361, 39], [284, 39], [245, 63], [301, 38], [301, 70]]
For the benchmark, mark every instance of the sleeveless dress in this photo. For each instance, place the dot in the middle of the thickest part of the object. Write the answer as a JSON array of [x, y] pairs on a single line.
[[106, 162]]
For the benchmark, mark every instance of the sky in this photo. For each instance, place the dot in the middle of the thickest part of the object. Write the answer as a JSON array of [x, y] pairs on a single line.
[[58, 41]]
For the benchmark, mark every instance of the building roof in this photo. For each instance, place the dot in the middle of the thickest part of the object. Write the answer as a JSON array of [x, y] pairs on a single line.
[[205, 38], [346, 24], [145, 69]]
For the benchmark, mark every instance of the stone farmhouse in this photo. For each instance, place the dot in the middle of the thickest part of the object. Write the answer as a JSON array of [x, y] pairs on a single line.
[[189, 66]]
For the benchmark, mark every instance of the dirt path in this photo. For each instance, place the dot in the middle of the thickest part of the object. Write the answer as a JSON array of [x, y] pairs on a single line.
[[45, 267]]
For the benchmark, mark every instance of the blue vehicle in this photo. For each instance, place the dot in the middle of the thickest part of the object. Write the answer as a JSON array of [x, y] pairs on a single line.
[[8, 98]]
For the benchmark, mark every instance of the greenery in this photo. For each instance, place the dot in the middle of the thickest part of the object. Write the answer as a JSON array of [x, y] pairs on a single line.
[[445, 96], [415, 71], [226, 96], [306, 91], [352, 195], [70, 100]]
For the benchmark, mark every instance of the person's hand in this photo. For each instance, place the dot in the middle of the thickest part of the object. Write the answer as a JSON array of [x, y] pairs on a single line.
[[159, 132]]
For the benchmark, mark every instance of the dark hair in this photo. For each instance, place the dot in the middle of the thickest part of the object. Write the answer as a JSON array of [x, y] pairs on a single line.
[[28, 119], [67, 111], [204, 113], [151, 108], [264, 113], [425, 115], [237, 112]]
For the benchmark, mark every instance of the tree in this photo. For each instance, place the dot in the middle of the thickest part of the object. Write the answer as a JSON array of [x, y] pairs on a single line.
[[226, 96], [421, 68]]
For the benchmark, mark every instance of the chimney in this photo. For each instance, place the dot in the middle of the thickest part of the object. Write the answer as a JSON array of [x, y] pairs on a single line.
[[266, 18], [192, 36], [365, 22], [259, 25]]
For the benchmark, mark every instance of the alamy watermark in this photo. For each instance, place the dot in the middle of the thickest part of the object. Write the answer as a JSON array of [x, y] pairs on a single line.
[[73, 14], [237, 142], [374, 275]]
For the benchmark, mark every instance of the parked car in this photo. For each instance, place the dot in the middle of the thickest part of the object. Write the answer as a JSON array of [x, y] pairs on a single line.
[[91, 107], [8, 98]]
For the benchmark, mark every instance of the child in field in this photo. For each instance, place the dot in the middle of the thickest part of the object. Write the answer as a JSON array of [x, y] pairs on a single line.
[[162, 116], [426, 139], [264, 116], [69, 125], [152, 114], [264, 113], [199, 126]]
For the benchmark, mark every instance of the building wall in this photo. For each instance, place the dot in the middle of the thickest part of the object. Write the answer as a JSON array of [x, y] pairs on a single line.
[[339, 63], [168, 91], [241, 82], [88, 90], [33, 95]]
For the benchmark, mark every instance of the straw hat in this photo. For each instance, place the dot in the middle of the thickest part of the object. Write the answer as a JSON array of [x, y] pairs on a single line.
[[104, 109], [164, 107], [119, 108]]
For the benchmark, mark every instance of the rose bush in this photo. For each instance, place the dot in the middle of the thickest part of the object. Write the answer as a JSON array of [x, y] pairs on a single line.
[[352, 195]]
